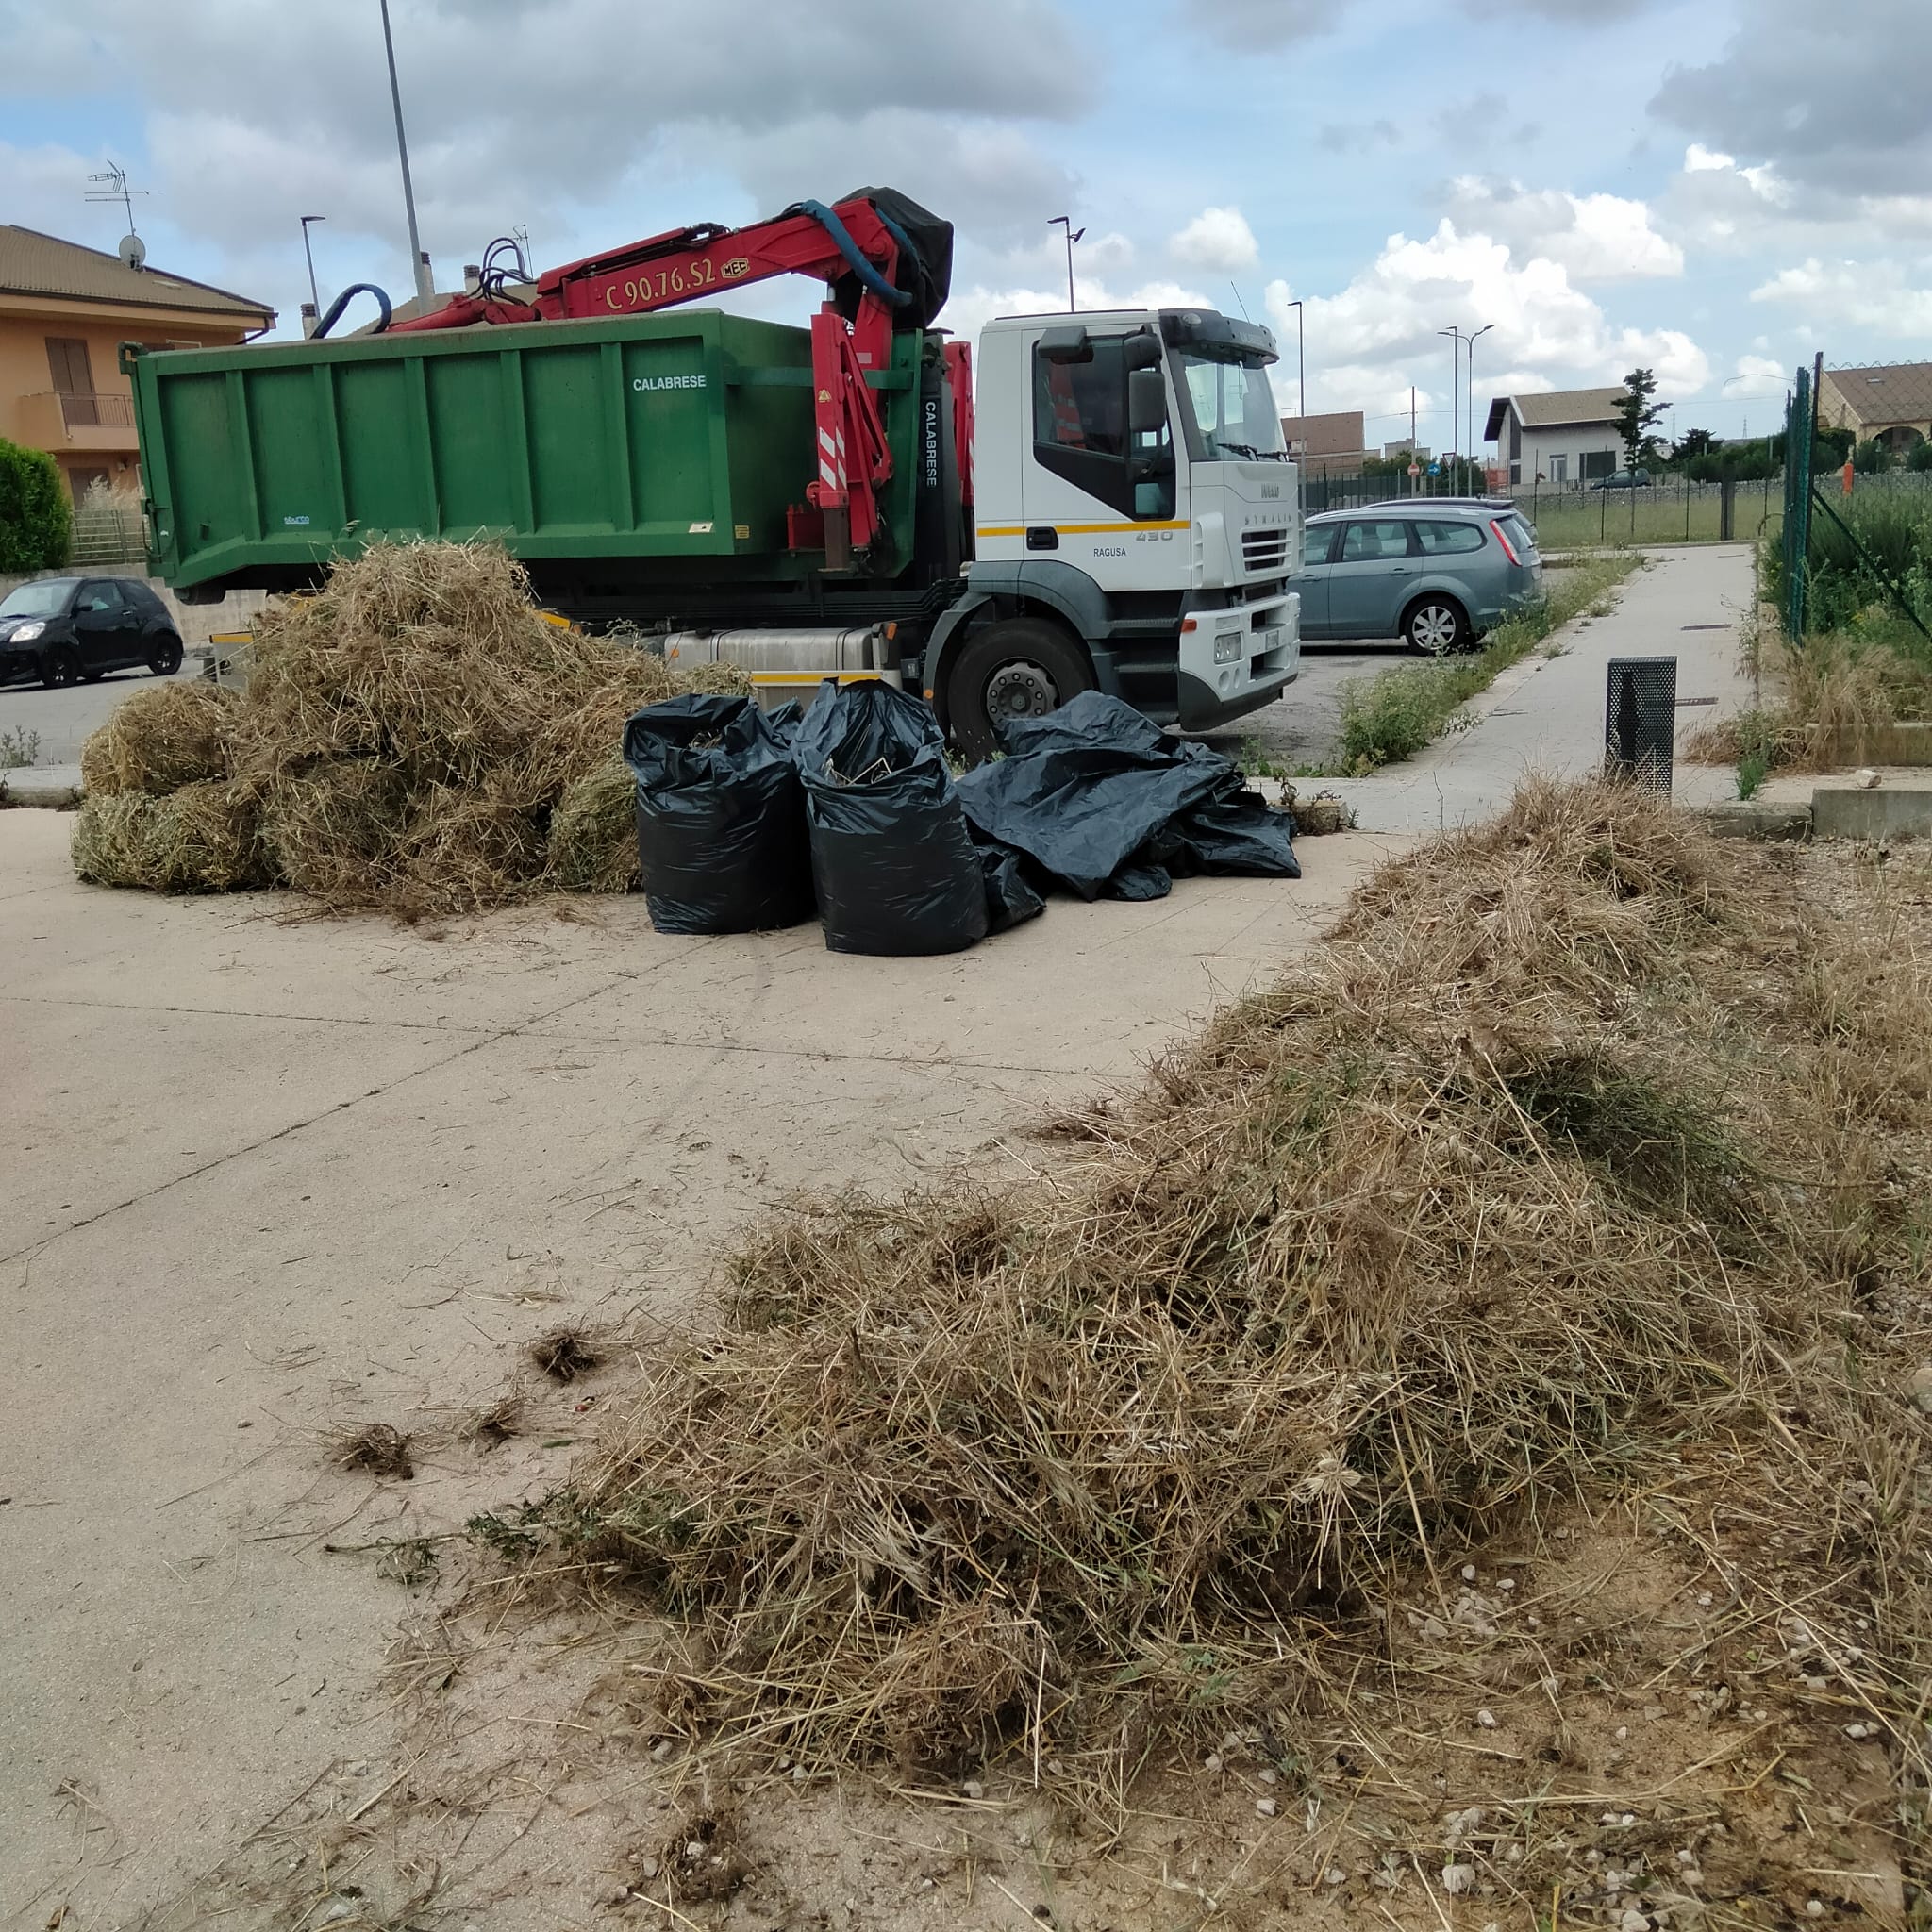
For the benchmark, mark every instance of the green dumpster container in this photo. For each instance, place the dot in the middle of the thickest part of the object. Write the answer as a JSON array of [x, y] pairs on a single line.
[[678, 436]]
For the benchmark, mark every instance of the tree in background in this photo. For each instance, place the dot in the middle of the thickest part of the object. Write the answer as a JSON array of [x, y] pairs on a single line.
[[1920, 457], [1692, 445], [1870, 456], [1637, 416], [36, 521]]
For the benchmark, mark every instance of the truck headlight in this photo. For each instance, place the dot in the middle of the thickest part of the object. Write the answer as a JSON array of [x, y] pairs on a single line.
[[28, 633], [1227, 646]]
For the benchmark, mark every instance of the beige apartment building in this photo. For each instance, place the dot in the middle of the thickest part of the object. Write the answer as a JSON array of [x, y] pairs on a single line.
[[64, 312]]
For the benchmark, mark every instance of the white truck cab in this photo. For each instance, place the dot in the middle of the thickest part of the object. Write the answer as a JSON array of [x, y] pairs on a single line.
[[1136, 521]]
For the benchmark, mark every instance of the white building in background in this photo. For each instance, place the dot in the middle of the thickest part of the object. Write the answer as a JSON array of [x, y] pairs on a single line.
[[1565, 437]]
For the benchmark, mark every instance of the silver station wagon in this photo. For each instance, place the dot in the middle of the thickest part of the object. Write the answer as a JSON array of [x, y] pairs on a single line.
[[1438, 572]]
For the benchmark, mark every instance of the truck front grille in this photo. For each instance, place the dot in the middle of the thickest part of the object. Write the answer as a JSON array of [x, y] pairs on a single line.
[[1264, 550]]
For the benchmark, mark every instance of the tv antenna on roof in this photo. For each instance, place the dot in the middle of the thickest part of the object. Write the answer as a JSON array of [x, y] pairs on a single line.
[[133, 250]]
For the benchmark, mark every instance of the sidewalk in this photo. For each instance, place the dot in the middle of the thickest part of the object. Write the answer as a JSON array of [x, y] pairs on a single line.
[[1546, 714]]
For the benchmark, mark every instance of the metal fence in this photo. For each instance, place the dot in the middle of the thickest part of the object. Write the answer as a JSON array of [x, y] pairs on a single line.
[[108, 528], [1672, 510]]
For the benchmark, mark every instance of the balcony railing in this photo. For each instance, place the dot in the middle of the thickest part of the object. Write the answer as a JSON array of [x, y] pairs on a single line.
[[97, 412], [70, 424]]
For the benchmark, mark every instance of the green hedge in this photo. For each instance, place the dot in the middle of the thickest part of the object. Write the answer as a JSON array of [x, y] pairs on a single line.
[[35, 519]]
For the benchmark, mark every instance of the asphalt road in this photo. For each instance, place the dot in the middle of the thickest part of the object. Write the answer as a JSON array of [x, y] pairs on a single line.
[[1304, 725], [56, 723]]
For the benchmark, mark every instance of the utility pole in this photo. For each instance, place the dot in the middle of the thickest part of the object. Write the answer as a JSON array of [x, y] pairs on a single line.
[[1074, 234], [425, 282]]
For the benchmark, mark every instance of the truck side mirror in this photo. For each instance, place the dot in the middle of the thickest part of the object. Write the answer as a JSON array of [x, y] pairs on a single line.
[[1070, 343], [1142, 351], [1146, 401]]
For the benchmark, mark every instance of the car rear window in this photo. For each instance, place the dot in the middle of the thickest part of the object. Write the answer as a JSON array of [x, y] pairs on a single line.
[[1521, 534], [1437, 539]]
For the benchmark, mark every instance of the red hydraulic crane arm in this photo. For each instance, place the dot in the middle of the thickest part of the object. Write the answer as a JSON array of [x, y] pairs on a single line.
[[849, 241]]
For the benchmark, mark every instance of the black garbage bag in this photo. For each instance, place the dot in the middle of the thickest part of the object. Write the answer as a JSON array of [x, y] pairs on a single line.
[[721, 815], [1011, 898], [1107, 802], [893, 859]]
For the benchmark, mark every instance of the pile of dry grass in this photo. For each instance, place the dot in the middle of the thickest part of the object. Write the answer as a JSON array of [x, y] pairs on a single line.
[[1563, 1153], [408, 737], [161, 738], [203, 837]]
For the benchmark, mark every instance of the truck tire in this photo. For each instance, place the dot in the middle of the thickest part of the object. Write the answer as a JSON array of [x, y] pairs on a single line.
[[1019, 667], [1437, 625]]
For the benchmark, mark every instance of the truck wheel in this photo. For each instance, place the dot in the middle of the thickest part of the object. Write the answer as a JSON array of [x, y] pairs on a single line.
[[1021, 667], [1436, 626]]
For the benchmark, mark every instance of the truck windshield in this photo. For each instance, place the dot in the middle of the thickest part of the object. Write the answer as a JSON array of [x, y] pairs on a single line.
[[1232, 405]]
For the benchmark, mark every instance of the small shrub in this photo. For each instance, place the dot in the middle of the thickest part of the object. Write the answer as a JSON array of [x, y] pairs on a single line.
[[35, 519], [1753, 769]]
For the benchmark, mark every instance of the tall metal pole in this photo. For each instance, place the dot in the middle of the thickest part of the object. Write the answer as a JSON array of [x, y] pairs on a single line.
[[1454, 370], [1074, 234], [310, 253], [425, 284], [1469, 375], [1301, 366]]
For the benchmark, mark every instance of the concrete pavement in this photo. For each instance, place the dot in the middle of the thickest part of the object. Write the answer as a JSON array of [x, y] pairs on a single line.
[[1546, 714], [266, 1179]]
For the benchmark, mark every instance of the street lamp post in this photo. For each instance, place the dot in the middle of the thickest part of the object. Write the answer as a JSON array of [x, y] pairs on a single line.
[[1469, 378], [1301, 367], [1457, 339], [425, 285], [1073, 234], [1454, 367], [313, 295]]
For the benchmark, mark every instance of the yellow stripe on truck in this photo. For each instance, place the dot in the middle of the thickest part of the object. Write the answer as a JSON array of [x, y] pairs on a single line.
[[1079, 529]]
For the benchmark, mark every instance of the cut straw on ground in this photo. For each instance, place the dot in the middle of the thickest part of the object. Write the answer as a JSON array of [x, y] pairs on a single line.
[[415, 736], [1580, 1145]]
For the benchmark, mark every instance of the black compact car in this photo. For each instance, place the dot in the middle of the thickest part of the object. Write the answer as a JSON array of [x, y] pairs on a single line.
[[63, 631]]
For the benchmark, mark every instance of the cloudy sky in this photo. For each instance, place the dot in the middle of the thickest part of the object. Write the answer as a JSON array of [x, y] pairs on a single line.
[[1713, 187]]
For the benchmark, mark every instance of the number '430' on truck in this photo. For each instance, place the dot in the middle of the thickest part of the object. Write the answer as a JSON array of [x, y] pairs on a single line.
[[1111, 505]]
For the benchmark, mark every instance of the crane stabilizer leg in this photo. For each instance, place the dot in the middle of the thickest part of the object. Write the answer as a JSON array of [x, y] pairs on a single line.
[[854, 458]]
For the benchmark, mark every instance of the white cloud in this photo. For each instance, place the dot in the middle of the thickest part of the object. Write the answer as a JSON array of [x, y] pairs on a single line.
[[1869, 295], [1760, 366], [971, 308], [1217, 241], [1379, 333], [1597, 238], [1699, 160]]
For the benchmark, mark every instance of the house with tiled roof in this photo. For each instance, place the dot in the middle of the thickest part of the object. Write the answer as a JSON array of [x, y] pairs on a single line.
[[1556, 437], [1888, 403], [64, 312]]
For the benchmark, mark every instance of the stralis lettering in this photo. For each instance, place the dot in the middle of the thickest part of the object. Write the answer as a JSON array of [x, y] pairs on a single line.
[[667, 382]]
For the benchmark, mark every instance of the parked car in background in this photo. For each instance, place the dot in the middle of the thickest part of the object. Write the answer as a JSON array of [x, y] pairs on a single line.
[[1437, 571], [1623, 479], [63, 631]]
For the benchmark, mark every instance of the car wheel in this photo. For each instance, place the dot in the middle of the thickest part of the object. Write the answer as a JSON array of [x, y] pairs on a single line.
[[1022, 667], [1436, 626], [165, 658], [59, 666]]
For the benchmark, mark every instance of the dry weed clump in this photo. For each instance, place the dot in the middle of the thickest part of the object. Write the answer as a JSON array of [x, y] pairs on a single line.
[[1561, 1154], [205, 837], [410, 733], [593, 843], [162, 737]]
